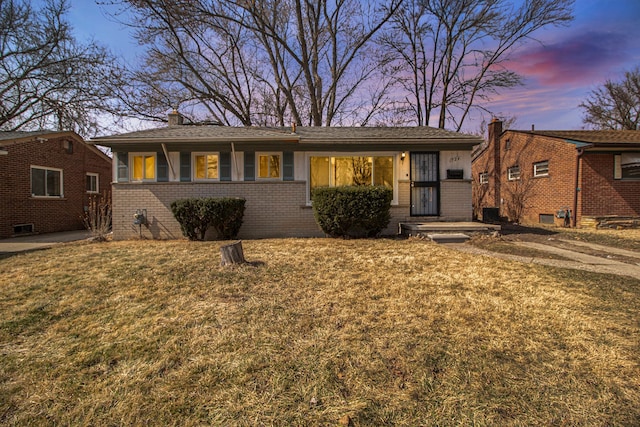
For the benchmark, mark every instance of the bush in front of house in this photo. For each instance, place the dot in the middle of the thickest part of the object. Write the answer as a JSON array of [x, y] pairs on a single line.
[[196, 215], [352, 211]]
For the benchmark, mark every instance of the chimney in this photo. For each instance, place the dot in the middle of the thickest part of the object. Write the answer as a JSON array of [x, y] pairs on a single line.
[[495, 131], [175, 118]]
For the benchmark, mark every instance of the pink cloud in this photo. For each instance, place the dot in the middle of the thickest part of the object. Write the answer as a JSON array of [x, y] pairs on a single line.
[[580, 60]]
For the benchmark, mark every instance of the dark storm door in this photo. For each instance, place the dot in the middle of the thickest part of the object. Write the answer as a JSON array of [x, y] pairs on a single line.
[[425, 184]]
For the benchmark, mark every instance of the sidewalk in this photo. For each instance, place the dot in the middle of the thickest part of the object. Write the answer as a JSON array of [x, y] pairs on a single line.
[[40, 241], [580, 261]]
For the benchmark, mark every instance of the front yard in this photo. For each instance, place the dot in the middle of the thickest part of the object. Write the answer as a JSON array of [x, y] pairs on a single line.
[[312, 332]]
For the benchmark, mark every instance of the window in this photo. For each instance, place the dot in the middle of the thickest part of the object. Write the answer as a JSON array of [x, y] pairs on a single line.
[[352, 170], [92, 183], [206, 166], [269, 166], [541, 168], [546, 219], [513, 173], [484, 178], [627, 166], [46, 182], [144, 167]]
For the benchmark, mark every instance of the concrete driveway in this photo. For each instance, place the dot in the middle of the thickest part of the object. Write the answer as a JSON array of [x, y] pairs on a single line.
[[40, 241]]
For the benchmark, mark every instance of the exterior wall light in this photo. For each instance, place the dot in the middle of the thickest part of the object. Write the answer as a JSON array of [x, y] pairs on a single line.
[[402, 156]]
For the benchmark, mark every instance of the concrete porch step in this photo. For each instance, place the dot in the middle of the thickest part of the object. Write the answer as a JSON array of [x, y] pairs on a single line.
[[422, 228], [448, 237]]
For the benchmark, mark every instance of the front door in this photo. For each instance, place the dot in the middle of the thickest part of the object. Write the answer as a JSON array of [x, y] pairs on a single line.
[[425, 184]]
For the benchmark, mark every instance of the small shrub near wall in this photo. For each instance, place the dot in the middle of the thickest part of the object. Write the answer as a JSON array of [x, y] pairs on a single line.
[[196, 215], [352, 211]]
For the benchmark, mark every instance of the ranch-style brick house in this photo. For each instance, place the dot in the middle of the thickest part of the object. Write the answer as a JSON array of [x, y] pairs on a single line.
[[46, 180], [590, 176], [275, 169]]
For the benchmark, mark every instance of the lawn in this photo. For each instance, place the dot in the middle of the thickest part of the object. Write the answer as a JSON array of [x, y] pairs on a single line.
[[312, 332]]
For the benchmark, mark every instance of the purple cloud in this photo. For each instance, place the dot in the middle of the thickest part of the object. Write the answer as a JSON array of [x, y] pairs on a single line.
[[584, 59]]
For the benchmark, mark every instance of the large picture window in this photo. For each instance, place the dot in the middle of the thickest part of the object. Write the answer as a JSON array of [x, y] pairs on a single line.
[[46, 182], [206, 166], [144, 167], [352, 170]]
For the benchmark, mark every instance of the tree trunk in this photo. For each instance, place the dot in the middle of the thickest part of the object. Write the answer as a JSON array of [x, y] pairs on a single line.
[[232, 253]]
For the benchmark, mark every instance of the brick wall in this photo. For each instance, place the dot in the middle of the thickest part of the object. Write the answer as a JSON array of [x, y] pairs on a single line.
[[273, 209], [543, 195], [17, 206], [604, 195]]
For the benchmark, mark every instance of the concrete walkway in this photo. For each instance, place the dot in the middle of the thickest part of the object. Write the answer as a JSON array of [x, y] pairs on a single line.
[[575, 259], [40, 241]]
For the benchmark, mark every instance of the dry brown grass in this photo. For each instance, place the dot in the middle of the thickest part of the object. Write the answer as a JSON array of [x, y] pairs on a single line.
[[388, 332]]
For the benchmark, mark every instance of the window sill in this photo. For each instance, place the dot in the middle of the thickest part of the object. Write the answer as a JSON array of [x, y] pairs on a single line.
[[47, 198]]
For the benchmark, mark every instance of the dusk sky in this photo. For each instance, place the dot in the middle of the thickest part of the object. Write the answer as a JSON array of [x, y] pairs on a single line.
[[560, 67]]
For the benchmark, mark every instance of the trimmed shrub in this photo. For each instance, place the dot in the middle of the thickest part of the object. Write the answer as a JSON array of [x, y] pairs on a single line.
[[352, 211], [196, 215]]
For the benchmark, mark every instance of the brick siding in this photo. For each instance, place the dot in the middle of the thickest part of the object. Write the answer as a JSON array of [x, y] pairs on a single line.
[[47, 215], [599, 193], [273, 209], [604, 195]]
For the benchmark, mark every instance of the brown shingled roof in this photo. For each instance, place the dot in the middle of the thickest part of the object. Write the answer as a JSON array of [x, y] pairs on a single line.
[[314, 135], [596, 137]]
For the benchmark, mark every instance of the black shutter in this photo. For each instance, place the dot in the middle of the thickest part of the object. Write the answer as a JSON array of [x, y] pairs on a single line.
[[225, 166], [185, 166], [287, 166], [123, 167], [249, 166], [163, 168]]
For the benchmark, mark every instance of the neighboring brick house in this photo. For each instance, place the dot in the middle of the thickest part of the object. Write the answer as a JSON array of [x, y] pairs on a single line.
[[46, 179], [274, 169], [537, 176]]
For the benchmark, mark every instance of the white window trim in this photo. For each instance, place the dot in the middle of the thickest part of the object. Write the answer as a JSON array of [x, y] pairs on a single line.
[[143, 154], [396, 167], [510, 174], [268, 153], [193, 165], [484, 178], [46, 168], [97, 190], [536, 165]]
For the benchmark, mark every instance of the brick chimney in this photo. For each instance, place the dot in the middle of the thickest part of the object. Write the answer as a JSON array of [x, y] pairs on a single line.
[[175, 118], [495, 131]]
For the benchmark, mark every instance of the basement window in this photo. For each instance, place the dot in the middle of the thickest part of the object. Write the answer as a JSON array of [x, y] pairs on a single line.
[[546, 219], [23, 228]]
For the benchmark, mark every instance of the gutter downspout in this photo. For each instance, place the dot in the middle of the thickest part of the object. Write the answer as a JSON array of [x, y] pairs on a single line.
[[576, 189], [235, 160], [166, 155]]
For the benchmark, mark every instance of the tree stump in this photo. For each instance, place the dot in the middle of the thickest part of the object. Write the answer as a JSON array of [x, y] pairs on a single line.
[[232, 253]]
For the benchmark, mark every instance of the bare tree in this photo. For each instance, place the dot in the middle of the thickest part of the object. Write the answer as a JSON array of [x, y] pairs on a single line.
[[454, 51], [256, 61], [615, 105], [47, 78]]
